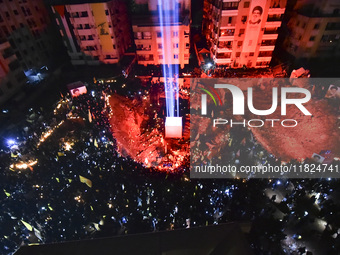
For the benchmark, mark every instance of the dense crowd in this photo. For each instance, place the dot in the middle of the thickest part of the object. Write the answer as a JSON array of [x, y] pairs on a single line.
[[88, 190]]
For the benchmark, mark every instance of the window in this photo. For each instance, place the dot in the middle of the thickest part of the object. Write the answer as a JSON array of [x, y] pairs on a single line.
[[230, 6], [187, 45], [160, 46], [16, 12], [176, 56], [312, 38], [138, 35], [84, 14], [238, 54], [176, 45], [230, 19], [242, 31], [316, 26], [244, 19], [246, 4], [251, 54], [303, 25], [160, 57], [239, 43], [175, 34], [146, 35], [223, 55], [159, 34], [107, 14]]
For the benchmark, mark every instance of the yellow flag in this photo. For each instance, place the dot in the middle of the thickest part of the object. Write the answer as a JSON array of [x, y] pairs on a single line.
[[28, 226], [7, 194], [90, 116], [85, 180], [60, 154], [95, 143]]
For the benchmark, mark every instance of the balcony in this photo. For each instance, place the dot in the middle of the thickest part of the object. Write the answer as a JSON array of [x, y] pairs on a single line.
[[222, 61], [223, 55], [273, 24], [227, 32], [230, 13], [264, 59], [278, 10], [270, 31], [274, 17], [267, 47], [269, 36], [265, 53], [145, 58], [141, 48]]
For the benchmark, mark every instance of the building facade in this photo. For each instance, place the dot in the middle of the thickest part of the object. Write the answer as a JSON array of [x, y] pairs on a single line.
[[27, 43], [162, 33], [12, 76], [27, 26], [314, 30], [93, 32], [242, 33]]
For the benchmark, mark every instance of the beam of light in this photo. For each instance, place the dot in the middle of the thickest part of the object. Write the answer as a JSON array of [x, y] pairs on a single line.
[[168, 18]]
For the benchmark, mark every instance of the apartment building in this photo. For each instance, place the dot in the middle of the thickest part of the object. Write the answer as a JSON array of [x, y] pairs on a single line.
[[314, 30], [161, 32], [25, 43], [93, 32], [27, 27], [242, 32], [12, 76]]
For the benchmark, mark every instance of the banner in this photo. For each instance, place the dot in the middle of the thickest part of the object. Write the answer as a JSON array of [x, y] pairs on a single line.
[[254, 23]]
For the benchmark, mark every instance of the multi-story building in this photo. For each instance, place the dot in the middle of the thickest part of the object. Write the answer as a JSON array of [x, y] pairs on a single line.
[[314, 30], [93, 32], [242, 32], [12, 76], [162, 32], [27, 27], [28, 43]]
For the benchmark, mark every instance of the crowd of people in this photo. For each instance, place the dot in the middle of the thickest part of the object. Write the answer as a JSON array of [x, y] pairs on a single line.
[[88, 190]]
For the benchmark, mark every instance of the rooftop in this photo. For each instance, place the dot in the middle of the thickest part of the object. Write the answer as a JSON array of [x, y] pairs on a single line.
[[225, 239]]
